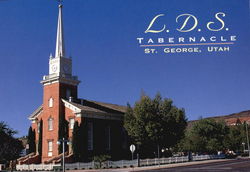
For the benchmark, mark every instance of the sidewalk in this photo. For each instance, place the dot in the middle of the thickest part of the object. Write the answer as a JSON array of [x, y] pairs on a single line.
[[151, 167]]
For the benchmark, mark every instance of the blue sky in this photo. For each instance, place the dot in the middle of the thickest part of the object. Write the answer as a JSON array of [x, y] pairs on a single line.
[[101, 38]]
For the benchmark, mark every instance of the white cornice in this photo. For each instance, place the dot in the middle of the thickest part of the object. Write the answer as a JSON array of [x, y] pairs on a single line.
[[71, 107], [89, 114], [47, 80], [35, 116]]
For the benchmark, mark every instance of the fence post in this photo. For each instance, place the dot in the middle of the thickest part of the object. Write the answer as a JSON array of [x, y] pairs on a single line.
[[138, 160], [190, 158]]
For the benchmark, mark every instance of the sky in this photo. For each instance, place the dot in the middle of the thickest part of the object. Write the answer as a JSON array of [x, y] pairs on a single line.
[[101, 37]]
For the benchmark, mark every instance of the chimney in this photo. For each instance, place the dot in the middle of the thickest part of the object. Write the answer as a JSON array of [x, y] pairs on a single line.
[[71, 99]]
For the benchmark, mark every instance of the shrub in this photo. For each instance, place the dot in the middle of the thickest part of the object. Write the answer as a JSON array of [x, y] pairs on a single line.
[[100, 159]]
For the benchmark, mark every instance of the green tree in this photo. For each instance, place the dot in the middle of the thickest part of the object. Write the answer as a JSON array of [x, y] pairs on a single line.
[[63, 132], [155, 122], [206, 135], [100, 159], [82, 142], [10, 147], [235, 137], [31, 140], [40, 137], [76, 142]]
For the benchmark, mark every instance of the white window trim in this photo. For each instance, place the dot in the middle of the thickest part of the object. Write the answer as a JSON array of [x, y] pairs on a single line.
[[38, 127], [71, 125], [50, 148], [51, 102], [50, 124]]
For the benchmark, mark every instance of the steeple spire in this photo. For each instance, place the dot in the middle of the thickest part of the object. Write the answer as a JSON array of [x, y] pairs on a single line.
[[60, 67], [60, 51]]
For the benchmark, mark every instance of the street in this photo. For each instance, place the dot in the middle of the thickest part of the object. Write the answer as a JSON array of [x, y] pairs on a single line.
[[236, 165]]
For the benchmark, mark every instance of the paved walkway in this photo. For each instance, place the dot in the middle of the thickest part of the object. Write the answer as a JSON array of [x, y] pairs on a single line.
[[151, 167]]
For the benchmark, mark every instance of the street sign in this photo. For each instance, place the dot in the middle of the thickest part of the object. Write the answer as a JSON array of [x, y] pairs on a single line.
[[132, 148]]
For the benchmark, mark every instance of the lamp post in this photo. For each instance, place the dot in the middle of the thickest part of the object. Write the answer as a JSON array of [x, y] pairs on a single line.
[[63, 141], [163, 152], [247, 140], [28, 148], [243, 146]]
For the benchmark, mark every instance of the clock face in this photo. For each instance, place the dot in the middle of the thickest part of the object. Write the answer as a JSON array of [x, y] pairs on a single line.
[[66, 68], [54, 68]]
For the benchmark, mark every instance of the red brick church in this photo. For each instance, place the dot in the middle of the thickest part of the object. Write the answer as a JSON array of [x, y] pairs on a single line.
[[104, 133]]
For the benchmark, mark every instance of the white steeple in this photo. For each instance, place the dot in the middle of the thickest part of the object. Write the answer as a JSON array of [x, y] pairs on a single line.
[[60, 67], [60, 51]]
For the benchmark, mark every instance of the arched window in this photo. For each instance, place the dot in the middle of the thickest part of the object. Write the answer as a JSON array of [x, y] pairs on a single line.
[[71, 123], [50, 123], [38, 127], [50, 148], [51, 102]]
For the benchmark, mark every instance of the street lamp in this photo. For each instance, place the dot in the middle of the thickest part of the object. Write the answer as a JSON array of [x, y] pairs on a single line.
[[28, 148], [63, 141], [247, 140], [243, 146], [163, 150]]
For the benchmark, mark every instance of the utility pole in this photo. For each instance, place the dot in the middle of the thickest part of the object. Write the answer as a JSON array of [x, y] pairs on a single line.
[[63, 141], [248, 147]]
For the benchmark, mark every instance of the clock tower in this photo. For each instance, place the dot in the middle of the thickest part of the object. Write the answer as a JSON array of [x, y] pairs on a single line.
[[60, 66], [59, 84]]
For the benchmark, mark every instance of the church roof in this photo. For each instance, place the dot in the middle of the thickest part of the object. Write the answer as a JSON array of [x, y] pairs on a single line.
[[87, 106], [95, 106], [84, 107], [108, 107]]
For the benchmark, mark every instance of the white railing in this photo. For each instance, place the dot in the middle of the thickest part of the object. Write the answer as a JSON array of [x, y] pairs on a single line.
[[107, 164], [122, 163], [156, 161], [80, 166], [118, 164], [207, 157], [36, 167]]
